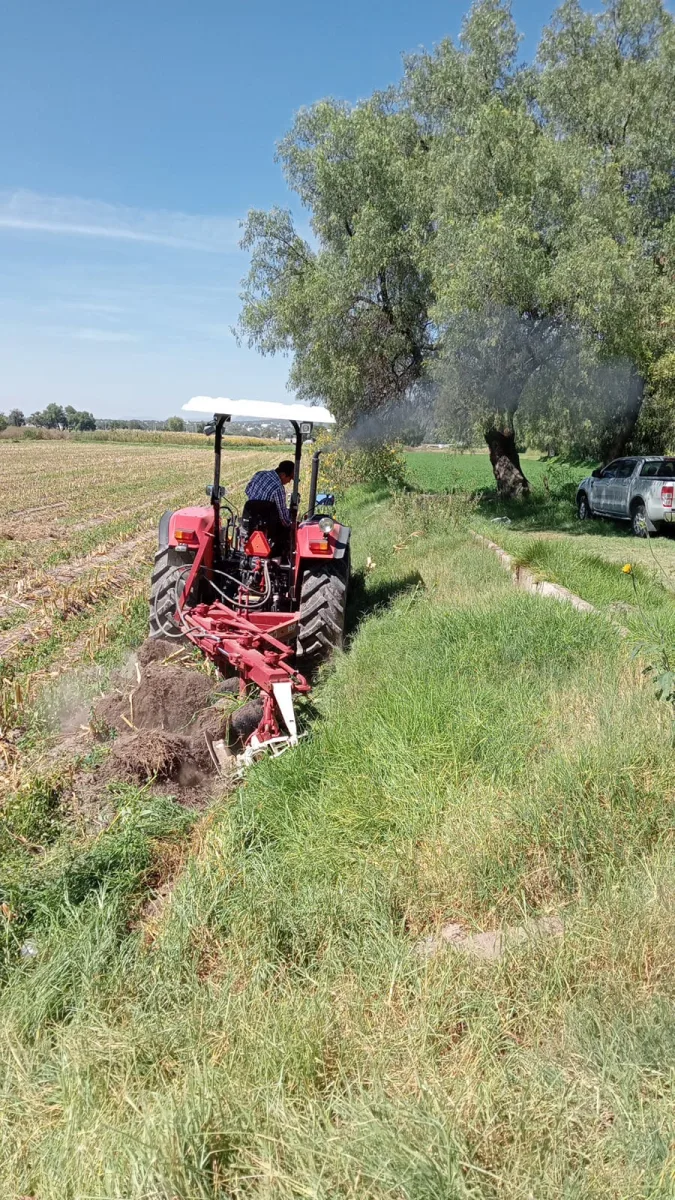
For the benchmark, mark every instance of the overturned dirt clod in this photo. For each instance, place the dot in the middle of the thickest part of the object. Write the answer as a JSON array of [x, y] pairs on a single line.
[[244, 721], [166, 712], [168, 698], [139, 757], [157, 650]]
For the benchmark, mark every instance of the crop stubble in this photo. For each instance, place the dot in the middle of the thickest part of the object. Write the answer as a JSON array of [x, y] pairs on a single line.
[[77, 534]]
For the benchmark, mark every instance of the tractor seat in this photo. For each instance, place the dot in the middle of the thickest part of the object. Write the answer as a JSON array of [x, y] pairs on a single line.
[[259, 514], [264, 515]]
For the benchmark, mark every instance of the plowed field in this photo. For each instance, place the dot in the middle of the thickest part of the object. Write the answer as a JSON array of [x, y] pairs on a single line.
[[77, 534]]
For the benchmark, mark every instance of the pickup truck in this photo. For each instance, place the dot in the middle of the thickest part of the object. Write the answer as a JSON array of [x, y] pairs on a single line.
[[639, 490]]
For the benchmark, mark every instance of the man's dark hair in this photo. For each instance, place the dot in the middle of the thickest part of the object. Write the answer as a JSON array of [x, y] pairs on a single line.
[[286, 467]]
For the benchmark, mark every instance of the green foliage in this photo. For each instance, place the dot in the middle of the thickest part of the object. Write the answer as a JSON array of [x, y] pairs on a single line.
[[354, 312], [661, 668], [3, 422], [56, 417], [15, 417], [176, 425], [80, 422], [46, 877], [30, 816], [423, 511], [344, 466], [52, 417], [568, 207], [479, 187]]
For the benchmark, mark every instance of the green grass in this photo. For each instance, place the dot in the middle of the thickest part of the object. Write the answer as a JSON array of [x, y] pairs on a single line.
[[637, 600], [268, 1027], [443, 471], [544, 532]]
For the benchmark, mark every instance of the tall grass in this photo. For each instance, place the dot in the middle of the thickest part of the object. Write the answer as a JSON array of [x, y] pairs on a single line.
[[268, 1027]]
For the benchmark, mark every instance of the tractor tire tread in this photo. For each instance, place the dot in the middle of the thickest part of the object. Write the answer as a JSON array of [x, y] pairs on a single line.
[[162, 592], [322, 613]]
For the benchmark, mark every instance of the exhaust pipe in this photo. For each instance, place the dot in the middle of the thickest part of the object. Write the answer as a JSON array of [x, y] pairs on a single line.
[[313, 482]]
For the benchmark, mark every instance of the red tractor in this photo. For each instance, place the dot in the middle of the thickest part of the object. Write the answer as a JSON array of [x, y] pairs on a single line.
[[217, 583]]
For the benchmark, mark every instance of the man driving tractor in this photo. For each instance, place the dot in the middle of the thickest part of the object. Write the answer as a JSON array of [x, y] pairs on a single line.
[[266, 506]]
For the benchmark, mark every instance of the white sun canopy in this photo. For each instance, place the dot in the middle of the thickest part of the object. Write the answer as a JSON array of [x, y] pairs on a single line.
[[259, 410]]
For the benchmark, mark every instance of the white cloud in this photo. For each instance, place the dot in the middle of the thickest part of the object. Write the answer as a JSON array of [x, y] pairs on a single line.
[[103, 335], [75, 217]]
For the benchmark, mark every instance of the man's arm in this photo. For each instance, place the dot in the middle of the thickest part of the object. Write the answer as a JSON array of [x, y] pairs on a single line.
[[280, 501]]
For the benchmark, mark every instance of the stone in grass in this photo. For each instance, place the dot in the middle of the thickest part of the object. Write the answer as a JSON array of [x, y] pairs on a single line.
[[492, 944]]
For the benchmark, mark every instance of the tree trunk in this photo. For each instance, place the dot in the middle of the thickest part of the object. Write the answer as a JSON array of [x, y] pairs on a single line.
[[511, 483], [625, 424], [621, 440]]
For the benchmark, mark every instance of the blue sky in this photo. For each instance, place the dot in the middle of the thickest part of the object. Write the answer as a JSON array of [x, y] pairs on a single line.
[[136, 137]]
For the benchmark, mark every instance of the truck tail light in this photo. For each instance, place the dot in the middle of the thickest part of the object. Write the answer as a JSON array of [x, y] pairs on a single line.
[[667, 495]]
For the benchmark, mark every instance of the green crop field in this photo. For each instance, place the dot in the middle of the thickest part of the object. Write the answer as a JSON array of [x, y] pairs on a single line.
[[441, 471], [266, 999]]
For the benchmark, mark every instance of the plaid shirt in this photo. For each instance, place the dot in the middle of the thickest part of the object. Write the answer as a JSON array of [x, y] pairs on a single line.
[[266, 485]]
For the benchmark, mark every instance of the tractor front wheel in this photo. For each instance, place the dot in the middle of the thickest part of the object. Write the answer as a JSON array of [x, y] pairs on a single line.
[[168, 579], [321, 620]]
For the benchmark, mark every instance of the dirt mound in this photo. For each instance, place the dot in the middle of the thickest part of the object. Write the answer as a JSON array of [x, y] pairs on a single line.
[[157, 650], [168, 697], [167, 715], [139, 757]]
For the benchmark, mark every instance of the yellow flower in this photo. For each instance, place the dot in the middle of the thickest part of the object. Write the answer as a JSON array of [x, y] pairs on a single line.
[[627, 569]]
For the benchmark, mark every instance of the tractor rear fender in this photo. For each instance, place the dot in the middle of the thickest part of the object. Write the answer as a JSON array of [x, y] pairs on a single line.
[[189, 527], [191, 533], [310, 542], [311, 547], [163, 533]]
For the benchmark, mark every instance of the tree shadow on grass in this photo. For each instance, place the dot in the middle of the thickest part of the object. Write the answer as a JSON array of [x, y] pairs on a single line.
[[363, 600], [544, 515]]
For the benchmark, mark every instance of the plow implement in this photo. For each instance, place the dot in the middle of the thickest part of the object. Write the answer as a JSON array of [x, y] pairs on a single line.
[[247, 647]]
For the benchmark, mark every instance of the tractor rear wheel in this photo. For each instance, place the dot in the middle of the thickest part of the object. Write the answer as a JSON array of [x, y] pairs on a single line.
[[321, 620], [168, 577]]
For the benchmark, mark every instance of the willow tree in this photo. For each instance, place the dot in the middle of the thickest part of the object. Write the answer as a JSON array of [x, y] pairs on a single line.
[[554, 201], [480, 187], [352, 305]]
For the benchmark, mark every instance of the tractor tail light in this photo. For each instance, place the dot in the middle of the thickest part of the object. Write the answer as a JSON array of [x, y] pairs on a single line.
[[184, 535], [322, 547], [257, 545], [667, 495]]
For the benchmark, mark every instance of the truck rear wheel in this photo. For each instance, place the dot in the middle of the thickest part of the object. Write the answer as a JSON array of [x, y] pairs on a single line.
[[323, 600], [168, 577]]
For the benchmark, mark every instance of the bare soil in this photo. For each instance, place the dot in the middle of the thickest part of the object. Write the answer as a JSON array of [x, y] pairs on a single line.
[[140, 757], [165, 713], [167, 698]]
